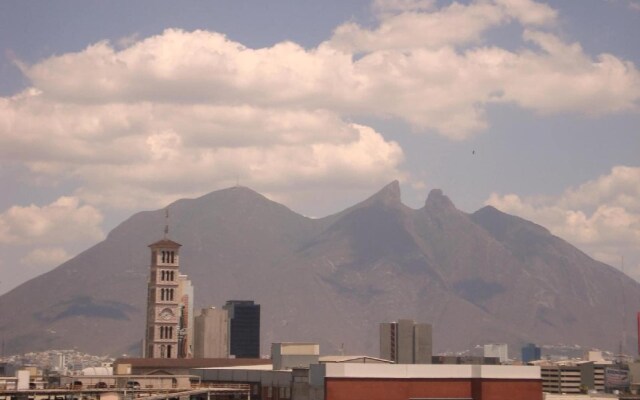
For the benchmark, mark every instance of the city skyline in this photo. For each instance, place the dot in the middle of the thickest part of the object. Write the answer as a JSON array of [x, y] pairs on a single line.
[[110, 109]]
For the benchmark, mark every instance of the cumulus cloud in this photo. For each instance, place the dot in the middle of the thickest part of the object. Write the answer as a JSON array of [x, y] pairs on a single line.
[[179, 113], [411, 66], [601, 216], [407, 24], [64, 220]]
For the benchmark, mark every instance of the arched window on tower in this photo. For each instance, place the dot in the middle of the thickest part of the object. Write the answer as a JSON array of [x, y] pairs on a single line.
[[168, 351]]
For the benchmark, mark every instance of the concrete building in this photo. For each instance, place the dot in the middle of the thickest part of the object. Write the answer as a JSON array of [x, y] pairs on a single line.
[[294, 355], [406, 342], [163, 301], [500, 350], [185, 329], [343, 377], [244, 328], [572, 377], [263, 383], [339, 381], [148, 366], [211, 333]]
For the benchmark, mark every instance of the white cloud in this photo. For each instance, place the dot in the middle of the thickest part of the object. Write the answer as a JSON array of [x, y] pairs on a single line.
[[181, 113], [601, 216], [45, 257], [410, 67], [62, 221], [407, 24]]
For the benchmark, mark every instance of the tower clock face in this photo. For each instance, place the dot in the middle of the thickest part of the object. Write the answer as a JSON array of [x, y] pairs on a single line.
[[166, 314]]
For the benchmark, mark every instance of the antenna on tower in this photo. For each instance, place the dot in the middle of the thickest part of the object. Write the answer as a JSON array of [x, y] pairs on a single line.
[[166, 222]]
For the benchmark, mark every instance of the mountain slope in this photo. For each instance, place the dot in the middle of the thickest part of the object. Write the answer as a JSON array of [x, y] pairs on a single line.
[[477, 278]]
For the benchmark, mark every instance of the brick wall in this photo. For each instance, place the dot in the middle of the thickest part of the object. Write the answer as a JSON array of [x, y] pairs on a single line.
[[404, 389]]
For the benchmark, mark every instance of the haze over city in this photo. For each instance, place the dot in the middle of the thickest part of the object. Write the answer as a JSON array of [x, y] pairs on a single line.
[[111, 108]]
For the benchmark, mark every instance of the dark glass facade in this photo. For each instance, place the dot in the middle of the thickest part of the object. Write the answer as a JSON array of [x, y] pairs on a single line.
[[531, 352], [244, 328]]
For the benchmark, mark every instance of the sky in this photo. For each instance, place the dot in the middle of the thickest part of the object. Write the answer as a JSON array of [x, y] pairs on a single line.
[[110, 108]]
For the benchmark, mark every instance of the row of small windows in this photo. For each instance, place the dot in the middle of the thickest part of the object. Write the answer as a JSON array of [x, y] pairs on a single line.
[[166, 332], [167, 275], [166, 294], [168, 257]]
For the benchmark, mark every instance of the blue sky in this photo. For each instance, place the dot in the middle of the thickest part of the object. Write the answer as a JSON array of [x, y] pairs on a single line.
[[108, 108]]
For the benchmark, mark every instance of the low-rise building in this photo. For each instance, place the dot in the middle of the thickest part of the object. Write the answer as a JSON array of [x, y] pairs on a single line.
[[572, 376], [344, 381]]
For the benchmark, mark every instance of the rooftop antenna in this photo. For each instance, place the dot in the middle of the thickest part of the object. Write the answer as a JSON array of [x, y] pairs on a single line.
[[166, 223]]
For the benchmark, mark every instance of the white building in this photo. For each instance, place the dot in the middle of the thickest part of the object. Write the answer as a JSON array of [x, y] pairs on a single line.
[[499, 350]]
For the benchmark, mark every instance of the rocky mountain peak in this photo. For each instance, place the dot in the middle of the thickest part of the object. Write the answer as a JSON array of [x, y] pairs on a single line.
[[438, 201], [389, 195]]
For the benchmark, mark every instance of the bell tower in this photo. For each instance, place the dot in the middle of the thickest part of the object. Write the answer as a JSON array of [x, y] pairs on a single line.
[[163, 301]]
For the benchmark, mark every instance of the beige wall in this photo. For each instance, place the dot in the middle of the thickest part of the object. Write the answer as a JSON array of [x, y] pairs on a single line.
[[211, 334]]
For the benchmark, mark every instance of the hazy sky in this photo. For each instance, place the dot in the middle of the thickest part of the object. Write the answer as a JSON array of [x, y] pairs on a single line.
[[109, 108]]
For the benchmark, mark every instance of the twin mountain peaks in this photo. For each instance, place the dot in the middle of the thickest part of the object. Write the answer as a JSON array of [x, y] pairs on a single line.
[[478, 278]]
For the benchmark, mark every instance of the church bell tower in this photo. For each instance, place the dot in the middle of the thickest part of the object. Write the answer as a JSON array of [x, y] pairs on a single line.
[[163, 301]]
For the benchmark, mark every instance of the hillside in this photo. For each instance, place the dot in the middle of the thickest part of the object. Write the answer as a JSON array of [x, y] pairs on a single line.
[[478, 278]]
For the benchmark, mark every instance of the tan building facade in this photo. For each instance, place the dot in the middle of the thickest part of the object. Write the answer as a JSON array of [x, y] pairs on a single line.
[[406, 342], [211, 333], [163, 301]]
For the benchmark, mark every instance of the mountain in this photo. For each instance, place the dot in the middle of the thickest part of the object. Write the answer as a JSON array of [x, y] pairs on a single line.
[[478, 278]]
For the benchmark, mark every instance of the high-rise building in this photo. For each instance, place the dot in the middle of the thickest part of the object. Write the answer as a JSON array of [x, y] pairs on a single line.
[[406, 342], [531, 352], [211, 334], [244, 328], [499, 350], [185, 332], [163, 301]]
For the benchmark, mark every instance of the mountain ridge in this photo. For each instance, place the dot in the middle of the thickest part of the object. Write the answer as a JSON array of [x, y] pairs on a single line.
[[478, 278]]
